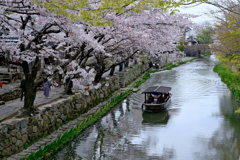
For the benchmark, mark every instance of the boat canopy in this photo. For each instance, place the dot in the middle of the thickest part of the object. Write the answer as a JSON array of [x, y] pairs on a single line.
[[157, 89]]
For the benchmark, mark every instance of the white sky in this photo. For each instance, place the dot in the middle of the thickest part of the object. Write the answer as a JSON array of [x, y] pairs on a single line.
[[200, 10]]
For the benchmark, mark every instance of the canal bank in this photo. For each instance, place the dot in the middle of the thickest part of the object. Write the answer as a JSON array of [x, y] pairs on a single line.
[[230, 79], [48, 112]]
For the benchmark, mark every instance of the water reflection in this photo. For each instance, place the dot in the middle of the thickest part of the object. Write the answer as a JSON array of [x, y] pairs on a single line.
[[200, 123], [155, 118]]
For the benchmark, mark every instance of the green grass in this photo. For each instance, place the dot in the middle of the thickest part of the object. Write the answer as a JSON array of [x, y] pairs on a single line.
[[70, 135], [206, 54], [145, 77], [230, 79], [171, 66]]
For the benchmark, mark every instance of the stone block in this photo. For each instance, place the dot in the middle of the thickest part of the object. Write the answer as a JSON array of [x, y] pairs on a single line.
[[2, 137], [60, 109], [78, 106], [24, 138], [19, 135], [6, 152], [13, 132], [59, 121], [4, 128], [29, 129], [6, 143], [35, 129], [24, 130], [19, 143], [14, 140], [20, 123]]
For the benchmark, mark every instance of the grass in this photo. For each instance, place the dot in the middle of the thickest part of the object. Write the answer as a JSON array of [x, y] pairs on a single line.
[[230, 79], [169, 67], [145, 77], [70, 135], [206, 54]]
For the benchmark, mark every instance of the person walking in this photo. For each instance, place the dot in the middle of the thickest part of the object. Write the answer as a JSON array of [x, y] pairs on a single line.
[[150, 64], [46, 87], [23, 87]]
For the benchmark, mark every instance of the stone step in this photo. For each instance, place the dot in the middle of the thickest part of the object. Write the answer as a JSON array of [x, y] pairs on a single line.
[[5, 79], [5, 82]]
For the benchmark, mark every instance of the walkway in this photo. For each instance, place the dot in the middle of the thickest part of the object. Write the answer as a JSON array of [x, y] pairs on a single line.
[[11, 108]]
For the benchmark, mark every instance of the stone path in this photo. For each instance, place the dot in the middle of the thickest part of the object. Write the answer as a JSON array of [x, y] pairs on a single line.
[[11, 108]]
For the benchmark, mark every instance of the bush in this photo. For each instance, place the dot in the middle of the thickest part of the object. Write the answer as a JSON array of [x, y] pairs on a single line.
[[180, 47]]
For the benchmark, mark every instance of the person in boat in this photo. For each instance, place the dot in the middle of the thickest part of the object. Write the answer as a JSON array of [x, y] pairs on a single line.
[[150, 99], [155, 95], [160, 99], [166, 95]]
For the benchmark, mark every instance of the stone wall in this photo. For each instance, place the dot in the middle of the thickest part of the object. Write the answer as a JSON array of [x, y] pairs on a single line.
[[10, 95], [15, 133], [168, 58], [131, 74]]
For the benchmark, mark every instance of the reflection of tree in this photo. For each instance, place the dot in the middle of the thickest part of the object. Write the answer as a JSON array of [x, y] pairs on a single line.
[[225, 142], [222, 146], [69, 151], [155, 118], [99, 153]]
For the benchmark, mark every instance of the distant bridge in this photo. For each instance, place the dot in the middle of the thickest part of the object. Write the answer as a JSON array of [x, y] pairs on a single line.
[[196, 50]]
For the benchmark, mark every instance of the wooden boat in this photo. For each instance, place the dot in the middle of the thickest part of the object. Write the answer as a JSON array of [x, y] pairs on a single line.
[[156, 98]]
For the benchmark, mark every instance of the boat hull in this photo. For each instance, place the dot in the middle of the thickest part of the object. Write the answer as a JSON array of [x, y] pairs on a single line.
[[153, 107]]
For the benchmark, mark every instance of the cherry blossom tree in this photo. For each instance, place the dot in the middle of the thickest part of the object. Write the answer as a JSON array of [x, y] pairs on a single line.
[[19, 17], [76, 42], [36, 27]]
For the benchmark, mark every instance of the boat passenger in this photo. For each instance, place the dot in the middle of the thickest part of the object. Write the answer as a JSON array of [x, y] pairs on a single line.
[[166, 95], [160, 100], [150, 99]]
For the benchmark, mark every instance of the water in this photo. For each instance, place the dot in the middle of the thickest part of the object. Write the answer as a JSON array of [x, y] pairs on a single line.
[[200, 123]]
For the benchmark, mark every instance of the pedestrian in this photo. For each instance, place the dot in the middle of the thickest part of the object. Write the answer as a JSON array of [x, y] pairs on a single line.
[[46, 87], [120, 67], [15, 58], [23, 87], [96, 67], [150, 64], [60, 76], [1, 84]]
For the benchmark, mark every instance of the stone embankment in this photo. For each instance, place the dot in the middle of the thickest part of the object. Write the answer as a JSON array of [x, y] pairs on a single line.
[[15, 133]]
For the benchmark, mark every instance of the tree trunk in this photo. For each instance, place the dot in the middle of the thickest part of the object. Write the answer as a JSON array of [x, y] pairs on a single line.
[[98, 77], [30, 94], [31, 84], [100, 71], [126, 63], [68, 86], [112, 71]]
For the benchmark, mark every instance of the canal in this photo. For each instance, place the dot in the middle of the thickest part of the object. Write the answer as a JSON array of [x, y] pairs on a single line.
[[200, 122]]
